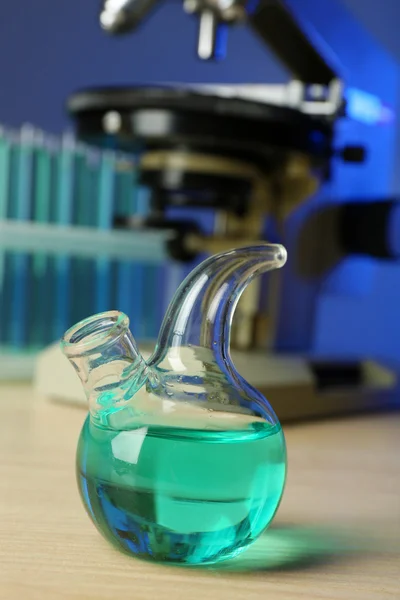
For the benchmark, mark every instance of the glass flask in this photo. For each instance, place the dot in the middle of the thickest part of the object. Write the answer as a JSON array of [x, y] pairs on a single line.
[[180, 460]]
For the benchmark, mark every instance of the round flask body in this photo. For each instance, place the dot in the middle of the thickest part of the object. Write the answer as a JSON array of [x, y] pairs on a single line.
[[177, 495]]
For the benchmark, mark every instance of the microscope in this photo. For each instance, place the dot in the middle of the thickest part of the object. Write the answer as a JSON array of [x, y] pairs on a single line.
[[245, 154]]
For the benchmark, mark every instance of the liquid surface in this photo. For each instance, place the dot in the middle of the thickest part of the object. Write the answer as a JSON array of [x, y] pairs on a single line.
[[181, 495]]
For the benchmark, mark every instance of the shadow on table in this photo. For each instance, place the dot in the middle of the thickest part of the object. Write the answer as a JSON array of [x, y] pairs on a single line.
[[294, 548]]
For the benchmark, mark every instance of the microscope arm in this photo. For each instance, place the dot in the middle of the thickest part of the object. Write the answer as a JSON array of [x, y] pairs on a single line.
[[291, 42]]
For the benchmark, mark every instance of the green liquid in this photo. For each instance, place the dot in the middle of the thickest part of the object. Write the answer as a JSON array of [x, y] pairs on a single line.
[[181, 495]]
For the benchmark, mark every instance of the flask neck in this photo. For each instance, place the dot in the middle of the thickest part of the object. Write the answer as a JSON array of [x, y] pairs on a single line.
[[104, 354]]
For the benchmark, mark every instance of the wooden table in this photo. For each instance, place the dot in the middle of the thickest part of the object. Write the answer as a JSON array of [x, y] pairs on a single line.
[[336, 536]]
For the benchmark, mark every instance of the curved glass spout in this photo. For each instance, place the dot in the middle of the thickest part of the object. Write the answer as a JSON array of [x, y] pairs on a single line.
[[201, 311], [192, 361]]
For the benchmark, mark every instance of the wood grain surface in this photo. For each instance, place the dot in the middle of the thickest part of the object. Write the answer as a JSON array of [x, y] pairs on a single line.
[[336, 536]]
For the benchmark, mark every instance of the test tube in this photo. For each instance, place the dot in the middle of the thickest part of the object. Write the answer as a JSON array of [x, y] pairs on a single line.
[[147, 284], [41, 302], [65, 163], [106, 197], [20, 261], [128, 300], [83, 275], [5, 169]]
